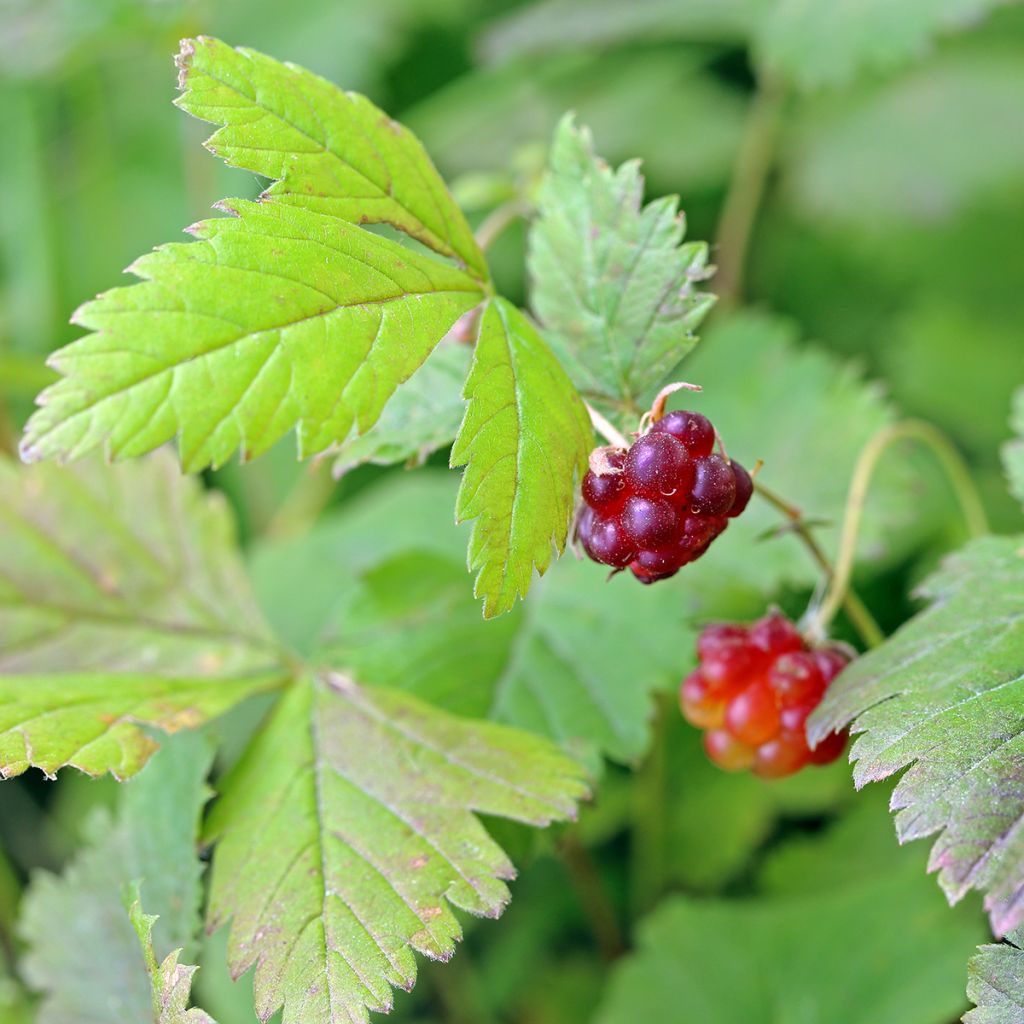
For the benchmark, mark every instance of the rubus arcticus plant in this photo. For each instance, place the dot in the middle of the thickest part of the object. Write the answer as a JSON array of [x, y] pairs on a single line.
[[351, 304]]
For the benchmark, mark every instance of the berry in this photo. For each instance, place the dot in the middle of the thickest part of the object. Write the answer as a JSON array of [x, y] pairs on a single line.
[[605, 492], [650, 522], [714, 487], [658, 465], [754, 690], [691, 428], [659, 504]]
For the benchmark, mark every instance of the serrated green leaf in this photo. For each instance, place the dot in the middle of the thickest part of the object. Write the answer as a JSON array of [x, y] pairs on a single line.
[[1013, 451], [171, 982], [83, 954], [524, 440], [886, 949], [343, 860], [612, 282], [423, 416], [557, 665], [995, 983], [122, 602], [884, 156], [276, 318], [816, 45], [331, 151], [942, 696]]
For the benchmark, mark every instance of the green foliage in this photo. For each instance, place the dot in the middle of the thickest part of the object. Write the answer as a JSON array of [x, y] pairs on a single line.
[[524, 440], [1013, 451], [828, 45], [884, 156], [995, 982], [122, 602], [83, 953], [612, 282], [171, 982], [942, 697], [330, 151], [342, 861], [423, 416], [876, 945]]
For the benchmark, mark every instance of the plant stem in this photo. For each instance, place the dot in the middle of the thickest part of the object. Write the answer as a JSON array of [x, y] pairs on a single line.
[[606, 430], [746, 189], [648, 833], [497, 221], [593, 897], [856, 610], [309, 496], [956, 470]]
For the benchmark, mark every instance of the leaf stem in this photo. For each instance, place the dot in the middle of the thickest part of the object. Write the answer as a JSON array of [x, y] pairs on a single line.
[[746, 189], [862, 619], [593, 896], [500, 218], [605, 429], [956, 471]]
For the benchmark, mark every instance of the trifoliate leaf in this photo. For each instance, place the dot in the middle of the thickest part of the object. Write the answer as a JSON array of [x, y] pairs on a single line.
[[331, 151], [524, 440], [557, 665], [817, 45], [1013, 451], [276, 318], [882, 950], [942, 696], [171, 982], [348, 829], [423, 416], [995, 983], [122, 602], [613, 285], [884, 155], [83, 954]]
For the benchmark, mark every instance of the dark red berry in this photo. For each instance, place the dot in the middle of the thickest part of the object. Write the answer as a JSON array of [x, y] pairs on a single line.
[[606, 492], [744, 489], [719, 634], [650, 522], [829, 749], [775, 633], [796, 679], [605, 541], [659, 466], [714, 486], [693, 429], [658, 560], [647, 576]]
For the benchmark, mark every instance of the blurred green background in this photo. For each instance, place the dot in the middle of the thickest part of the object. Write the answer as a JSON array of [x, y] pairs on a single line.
[[890, 231]]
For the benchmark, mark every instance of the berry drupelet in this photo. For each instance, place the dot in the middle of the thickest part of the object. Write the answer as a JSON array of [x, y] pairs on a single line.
[[753, 692], [660, 503]]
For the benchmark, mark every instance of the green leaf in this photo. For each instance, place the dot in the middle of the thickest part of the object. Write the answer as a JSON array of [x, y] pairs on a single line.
[[1013, 451], [613, 284], [122, 602], [806, 415], [275, 318], [171, 982], [995, 983], [884, 156], [423, 416], [886, 949], [556, 666], [331, 151], [942, 699], [525, 438], [348, 829], [817, 45], [83, 954]]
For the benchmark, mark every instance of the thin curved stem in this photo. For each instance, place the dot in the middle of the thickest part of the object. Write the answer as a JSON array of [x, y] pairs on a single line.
[[500, 218], [605, 429], [857, 612], [956, 470]]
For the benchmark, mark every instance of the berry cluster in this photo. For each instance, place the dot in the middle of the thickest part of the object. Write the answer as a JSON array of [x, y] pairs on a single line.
[[660, 503], [753, 692]]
